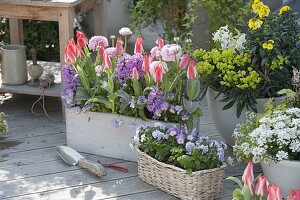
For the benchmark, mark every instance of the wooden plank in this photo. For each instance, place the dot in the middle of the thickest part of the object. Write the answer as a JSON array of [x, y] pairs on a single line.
[[156, 194], [102, 190], [47, 3], [41, 169], [100, 17], [43, 155], [38, 142], [16, 31], [71, 182], [28, 12], [54, 91]]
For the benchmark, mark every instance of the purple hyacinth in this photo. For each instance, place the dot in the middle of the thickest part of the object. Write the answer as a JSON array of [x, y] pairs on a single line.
[[125, 66], [71, 82], [156, 103]]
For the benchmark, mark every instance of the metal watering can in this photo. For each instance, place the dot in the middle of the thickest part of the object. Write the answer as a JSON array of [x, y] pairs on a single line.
[[13, 64]]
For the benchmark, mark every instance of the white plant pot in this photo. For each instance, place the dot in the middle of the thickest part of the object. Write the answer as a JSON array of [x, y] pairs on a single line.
[[94, 133], [226, 120], [285, 173]]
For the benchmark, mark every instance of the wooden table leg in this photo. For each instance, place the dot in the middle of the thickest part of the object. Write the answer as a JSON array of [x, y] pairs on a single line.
[[16, 31], [100, 17], [66, 32]]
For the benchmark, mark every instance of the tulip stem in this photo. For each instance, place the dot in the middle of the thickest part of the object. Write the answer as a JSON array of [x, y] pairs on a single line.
[[125, 45]]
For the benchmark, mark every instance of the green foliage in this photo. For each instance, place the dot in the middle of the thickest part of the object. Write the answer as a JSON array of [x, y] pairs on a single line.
[[3, 123], [168, 150], [42, 35], [220, 13], [259, 70], [276, 60], [178, 16], [170, 13]]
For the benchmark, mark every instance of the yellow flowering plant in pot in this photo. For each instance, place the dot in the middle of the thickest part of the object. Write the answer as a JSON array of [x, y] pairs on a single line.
[[253, 65]]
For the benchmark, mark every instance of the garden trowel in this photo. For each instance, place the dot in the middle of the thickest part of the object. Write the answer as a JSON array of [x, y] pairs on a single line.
[[72, 157]]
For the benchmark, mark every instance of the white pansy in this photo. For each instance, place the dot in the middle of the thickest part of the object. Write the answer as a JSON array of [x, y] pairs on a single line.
[[143, 138]]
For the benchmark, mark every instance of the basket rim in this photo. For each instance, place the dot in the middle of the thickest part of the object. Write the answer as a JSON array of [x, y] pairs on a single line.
[[222, 167]]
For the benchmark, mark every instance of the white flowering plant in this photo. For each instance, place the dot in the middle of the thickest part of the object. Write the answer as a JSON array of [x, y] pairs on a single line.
[[180, 147], [271, 136], [3, 123]]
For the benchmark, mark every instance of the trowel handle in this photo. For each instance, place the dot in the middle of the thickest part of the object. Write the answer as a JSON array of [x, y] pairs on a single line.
[[94, 167]]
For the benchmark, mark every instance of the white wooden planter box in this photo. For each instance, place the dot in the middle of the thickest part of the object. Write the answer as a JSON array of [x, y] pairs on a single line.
[[94, 133]]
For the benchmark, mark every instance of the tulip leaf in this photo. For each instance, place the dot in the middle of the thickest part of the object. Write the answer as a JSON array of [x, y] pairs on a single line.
[[137, 88], [193, 89], [100, 99], [82, 94], [191, 106], [236, 180]]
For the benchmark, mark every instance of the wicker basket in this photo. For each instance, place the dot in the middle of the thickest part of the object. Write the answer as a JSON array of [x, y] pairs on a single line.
[[201, 185]]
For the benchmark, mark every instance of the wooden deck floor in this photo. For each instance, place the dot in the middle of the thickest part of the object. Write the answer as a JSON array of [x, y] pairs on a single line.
[[30, 169]]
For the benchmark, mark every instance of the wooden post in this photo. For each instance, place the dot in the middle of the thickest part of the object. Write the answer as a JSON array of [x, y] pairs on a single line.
[[66, 32], [100, 17], [16, 31]]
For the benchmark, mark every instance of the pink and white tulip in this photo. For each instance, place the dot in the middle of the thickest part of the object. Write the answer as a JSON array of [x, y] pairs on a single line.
[[262, 186], [191, 71], [82, 41], [248, 176], [158, 73], [119, 46], [135, 74], [106, 63], [146, 64], [294, 195], [274, 193], [159, 42], [138, 48], [184, 62]]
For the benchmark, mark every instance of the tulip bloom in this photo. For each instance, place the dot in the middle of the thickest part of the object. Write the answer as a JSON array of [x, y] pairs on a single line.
[[81, 39], [119, 46], [248, 176], [294, 195], [191, 71], [274, 192], [146, 63], [138, 48], [106, 63], [135, 74], [70, 57], [158, 73], [159, 42], [262, 186], [184, 62]]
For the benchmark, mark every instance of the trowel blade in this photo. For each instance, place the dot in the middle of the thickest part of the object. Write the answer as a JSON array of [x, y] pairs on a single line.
[[69, 155]]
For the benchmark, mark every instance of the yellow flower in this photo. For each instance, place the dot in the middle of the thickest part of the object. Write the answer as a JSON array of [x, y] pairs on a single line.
[[263, 11], [284, 9], [270, 46], [264, 45], [255, 24]]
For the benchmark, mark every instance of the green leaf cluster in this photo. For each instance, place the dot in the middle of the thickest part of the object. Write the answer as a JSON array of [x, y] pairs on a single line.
[[3, 123]]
